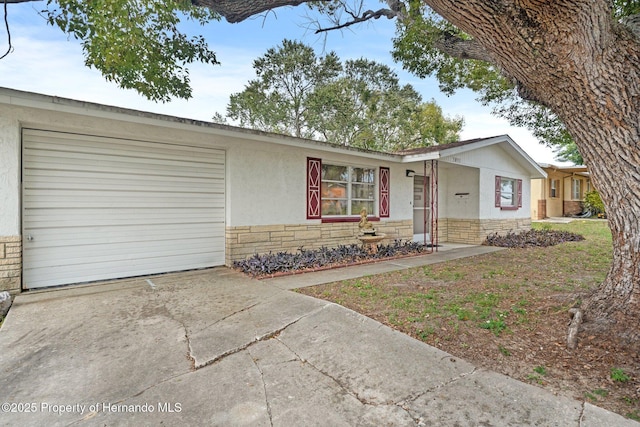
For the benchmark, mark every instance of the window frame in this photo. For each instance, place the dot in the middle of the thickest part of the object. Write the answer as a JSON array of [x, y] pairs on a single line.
[[554, 186], [516, 195], [349, 185], [575, 181]]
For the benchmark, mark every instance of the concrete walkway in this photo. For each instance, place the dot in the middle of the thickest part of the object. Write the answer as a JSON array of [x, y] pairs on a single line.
[[213, 347]]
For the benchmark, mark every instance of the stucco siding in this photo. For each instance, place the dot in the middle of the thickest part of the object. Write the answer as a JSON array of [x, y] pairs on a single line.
[[9, 176], [459, 192], [488, 209], [267, 184]]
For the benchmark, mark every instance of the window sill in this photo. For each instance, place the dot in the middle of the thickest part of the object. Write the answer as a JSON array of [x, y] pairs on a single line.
[[337, 219], [509, 208]]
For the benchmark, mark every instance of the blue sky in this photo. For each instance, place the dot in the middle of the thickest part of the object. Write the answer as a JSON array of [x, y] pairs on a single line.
[[46, 61]]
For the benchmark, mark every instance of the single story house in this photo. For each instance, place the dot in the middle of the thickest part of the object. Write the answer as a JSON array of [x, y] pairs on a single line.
[[561, 193], [90, 192]]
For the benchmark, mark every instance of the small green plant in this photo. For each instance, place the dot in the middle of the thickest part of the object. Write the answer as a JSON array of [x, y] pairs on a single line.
[[601, 392], [495, 325], [619, 375], [590, 396], [633, 416], [505, 351], [534, 377], [629, 400], [423, 334], [540, 370]]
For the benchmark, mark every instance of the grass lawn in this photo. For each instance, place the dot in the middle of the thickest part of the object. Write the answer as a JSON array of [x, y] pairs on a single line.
[[508, 311]]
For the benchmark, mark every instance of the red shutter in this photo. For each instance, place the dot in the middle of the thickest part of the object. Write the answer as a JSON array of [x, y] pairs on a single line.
[[384, 192], [519, 193], [498, 187], [314, 178]]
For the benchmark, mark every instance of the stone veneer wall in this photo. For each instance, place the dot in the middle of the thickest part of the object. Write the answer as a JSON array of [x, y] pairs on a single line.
[[244, 241], [10, 263], [474, 231]]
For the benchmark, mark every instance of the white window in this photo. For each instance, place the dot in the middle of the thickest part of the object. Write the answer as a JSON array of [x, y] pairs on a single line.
[[576, 189], [508, 193], [555, 184], [346, 190]]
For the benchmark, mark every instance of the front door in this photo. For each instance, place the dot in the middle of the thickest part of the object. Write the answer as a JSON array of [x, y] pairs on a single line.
[[421, 209]]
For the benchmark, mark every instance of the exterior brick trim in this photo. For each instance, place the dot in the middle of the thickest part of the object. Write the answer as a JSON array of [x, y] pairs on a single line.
[[11, 263]]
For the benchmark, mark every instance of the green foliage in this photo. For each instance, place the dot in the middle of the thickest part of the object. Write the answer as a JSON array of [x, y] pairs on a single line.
[[357, 103], [504, 351], [495, 325], [416, 47], [540, 370], [593, 202], [277, 100], [619, 375], [136, 44], [569, 153]]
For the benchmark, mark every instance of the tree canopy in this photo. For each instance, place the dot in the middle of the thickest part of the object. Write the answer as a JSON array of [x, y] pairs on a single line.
[[137, 44], [358, 103]]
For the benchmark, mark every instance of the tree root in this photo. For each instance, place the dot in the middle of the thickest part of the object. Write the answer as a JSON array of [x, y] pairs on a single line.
[[574, 325]]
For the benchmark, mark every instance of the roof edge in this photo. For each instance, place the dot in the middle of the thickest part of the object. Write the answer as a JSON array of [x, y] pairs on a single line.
[[51, 102]]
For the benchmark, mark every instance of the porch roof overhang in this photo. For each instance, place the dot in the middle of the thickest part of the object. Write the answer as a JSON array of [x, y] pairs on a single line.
[[575, 170], [440, 152]]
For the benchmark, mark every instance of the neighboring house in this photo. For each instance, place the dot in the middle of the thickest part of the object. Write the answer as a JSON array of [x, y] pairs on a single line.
[[561, 193], [91, 192]]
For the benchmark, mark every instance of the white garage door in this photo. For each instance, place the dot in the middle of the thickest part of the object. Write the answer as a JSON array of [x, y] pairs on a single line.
[[99, 208]]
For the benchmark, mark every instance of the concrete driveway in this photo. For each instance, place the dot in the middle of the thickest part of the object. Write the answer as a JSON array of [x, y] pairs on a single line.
[[216, 348]]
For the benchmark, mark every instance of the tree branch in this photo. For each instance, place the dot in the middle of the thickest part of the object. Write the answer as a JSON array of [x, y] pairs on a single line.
[[461, 48], [366, 16], [633, 23], [235, 11], [6, 24]]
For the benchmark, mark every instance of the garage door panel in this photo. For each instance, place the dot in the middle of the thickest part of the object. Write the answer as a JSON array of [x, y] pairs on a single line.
[[121, 253], [125, 200], [97, 208], [60, 218], [45, 218], [89, 180], [77, 143], [63, 275], [122, 165], [123, 234], [46, 158]]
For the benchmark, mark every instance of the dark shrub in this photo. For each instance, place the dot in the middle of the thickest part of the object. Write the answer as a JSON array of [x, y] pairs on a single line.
[[266, 264], [532, 238]]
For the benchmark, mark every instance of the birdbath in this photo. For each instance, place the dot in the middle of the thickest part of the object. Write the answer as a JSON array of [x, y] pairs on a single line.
[[370, 241], [369, 237]]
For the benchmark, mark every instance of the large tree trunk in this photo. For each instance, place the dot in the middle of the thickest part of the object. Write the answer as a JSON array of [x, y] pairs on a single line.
[[574, 58]]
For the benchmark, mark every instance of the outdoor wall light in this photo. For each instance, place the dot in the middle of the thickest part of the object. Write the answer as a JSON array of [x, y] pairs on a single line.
[[409, 173]]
